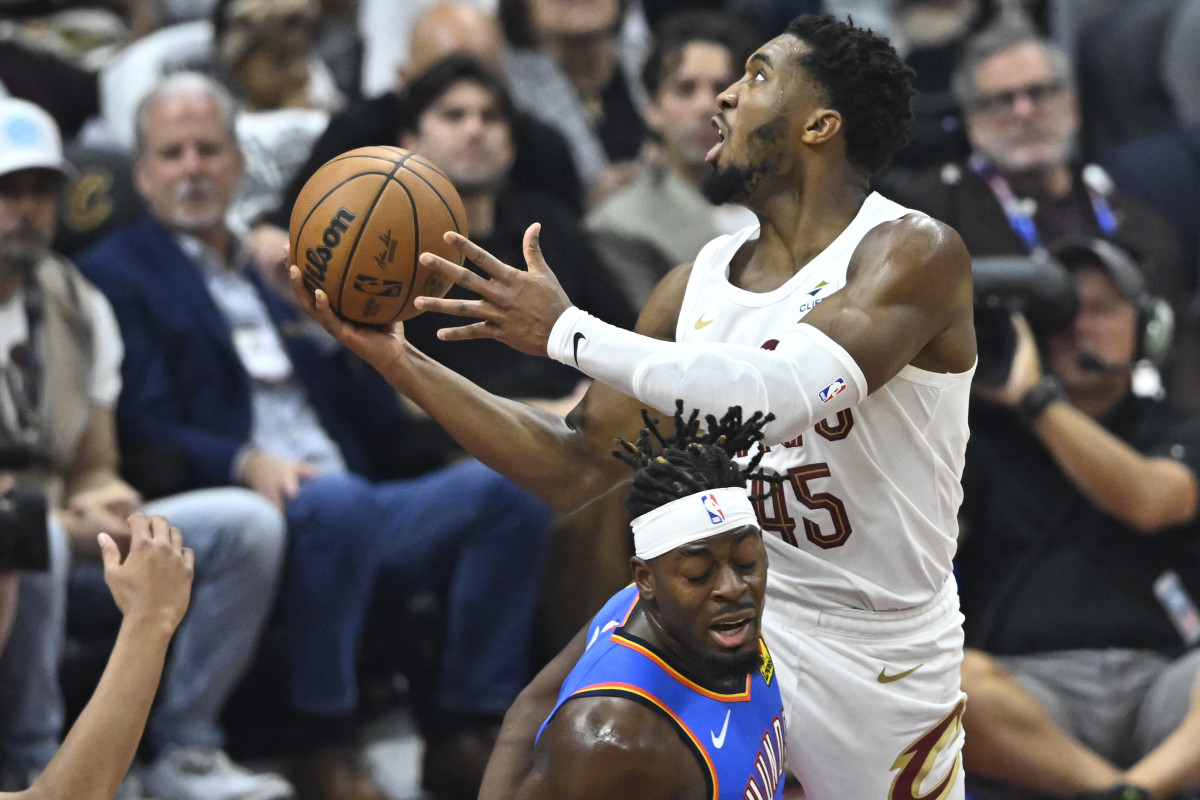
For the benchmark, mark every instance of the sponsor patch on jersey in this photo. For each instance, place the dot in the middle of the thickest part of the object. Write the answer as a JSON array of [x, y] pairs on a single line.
[[832, 390], [766, 666], [716, 514]]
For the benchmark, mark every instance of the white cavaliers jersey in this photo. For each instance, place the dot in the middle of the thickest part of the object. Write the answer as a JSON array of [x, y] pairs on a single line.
[[868, 517]]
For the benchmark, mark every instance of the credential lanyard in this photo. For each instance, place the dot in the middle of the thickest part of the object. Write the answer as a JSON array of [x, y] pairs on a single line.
[[1021, 221]]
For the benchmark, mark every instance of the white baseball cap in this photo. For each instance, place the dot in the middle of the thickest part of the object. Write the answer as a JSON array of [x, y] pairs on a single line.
[[29, 138]]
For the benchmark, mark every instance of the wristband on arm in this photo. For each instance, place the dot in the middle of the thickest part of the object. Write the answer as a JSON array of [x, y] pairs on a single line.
[[806, 378], [1037, 399]]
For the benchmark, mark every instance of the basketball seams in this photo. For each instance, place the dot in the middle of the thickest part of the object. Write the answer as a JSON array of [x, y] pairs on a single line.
[[314, 206], [429, 183], [361, 228], [347, 198]]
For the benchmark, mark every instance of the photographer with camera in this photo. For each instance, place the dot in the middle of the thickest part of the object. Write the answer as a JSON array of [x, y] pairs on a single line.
[[60, 357], [1079, 557], [1022, 187]]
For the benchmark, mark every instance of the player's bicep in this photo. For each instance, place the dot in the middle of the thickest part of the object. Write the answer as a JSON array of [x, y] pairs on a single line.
[[907, 300], [606, 747]]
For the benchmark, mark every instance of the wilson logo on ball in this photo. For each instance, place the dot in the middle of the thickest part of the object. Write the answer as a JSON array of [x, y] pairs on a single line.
[[316, 259]]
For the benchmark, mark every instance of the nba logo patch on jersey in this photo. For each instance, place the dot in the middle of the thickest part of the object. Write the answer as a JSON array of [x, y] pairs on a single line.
[[832, 390], [715, 514]]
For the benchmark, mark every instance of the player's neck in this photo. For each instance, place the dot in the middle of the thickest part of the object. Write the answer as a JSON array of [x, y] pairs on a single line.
[[793, 233], [645, 625]]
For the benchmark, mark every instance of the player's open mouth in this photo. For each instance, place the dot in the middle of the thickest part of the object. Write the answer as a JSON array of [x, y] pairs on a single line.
[[716, 148], [732, 634]]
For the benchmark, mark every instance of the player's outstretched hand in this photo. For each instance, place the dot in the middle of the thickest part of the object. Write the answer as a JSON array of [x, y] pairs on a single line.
[[517, 307], [153, 582], [374, 344]]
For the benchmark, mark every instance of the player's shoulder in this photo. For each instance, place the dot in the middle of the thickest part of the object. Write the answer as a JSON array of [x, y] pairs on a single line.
[[918, 240], [623, 748]]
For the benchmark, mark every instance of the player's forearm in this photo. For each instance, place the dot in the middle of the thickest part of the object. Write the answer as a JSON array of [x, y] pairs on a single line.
[[1148, 494], [536, 449], [804, 379], [100, 747], [512, 755]]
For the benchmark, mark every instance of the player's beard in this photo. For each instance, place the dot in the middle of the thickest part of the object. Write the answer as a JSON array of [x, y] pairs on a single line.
[[731, 669], [732, 184], [729, 184]]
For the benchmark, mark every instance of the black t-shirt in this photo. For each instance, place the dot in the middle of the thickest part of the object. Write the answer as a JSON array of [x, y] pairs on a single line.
[[957, 196], [1041, 568]]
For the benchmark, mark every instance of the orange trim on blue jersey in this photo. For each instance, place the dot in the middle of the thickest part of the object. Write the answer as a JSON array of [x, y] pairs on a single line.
[[632, 606], [741, 696], [629, 688]]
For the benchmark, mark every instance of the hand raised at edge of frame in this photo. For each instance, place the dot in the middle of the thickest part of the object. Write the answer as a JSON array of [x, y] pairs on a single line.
[[154, 581]]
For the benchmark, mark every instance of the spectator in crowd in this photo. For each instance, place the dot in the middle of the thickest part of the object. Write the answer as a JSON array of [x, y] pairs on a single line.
[[542, 160], [1079, 562], [570, 68], [152, 587], [223, 373], [463, 119], [263, 51], [1020, 190], [61, 355], [661, 219]]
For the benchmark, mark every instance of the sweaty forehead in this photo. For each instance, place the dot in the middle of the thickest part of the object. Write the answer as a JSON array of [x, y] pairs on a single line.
[[783, 50]]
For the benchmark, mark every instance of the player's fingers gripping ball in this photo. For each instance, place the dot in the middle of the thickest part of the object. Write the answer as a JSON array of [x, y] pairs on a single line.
[[361, 221]]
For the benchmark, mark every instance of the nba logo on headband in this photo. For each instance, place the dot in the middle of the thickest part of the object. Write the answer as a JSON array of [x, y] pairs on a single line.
[[715, 515]]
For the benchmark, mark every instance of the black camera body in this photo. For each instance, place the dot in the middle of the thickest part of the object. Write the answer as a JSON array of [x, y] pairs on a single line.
[[1036, 285], [24, 534], [24, 538]]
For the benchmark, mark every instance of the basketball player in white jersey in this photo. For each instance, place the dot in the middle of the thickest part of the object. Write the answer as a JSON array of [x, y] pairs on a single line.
[[845, 315]]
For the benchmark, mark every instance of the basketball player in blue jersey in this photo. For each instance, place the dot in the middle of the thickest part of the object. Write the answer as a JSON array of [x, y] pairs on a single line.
[[846, 316], [674, 695]]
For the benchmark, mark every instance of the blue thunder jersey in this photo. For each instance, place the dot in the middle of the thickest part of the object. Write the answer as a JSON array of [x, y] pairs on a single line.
[[741, 756]]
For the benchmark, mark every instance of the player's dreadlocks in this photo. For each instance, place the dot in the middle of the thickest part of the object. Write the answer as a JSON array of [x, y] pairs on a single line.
[[692, 460]]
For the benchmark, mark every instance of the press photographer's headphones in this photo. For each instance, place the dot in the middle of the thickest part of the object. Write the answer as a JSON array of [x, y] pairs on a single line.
[[1155, 317]]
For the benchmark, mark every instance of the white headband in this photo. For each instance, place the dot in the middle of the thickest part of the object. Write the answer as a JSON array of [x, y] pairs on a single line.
[[690, 519]]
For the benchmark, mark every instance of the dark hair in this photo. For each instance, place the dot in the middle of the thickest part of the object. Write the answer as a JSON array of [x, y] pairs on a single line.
[[442, 76], [516, 22], [679, 30], [257, 20], [999, 37], [865, 80], [692, 460]]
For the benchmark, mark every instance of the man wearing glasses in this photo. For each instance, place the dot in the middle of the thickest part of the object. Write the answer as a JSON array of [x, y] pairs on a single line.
[[1023, 187]]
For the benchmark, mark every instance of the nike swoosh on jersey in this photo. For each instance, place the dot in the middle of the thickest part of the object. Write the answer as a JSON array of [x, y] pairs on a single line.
[[885, 678], [703, 323], [579, 337], [719, 741]]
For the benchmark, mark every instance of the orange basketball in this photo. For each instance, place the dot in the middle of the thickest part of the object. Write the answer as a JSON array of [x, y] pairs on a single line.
[[361, 221]]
